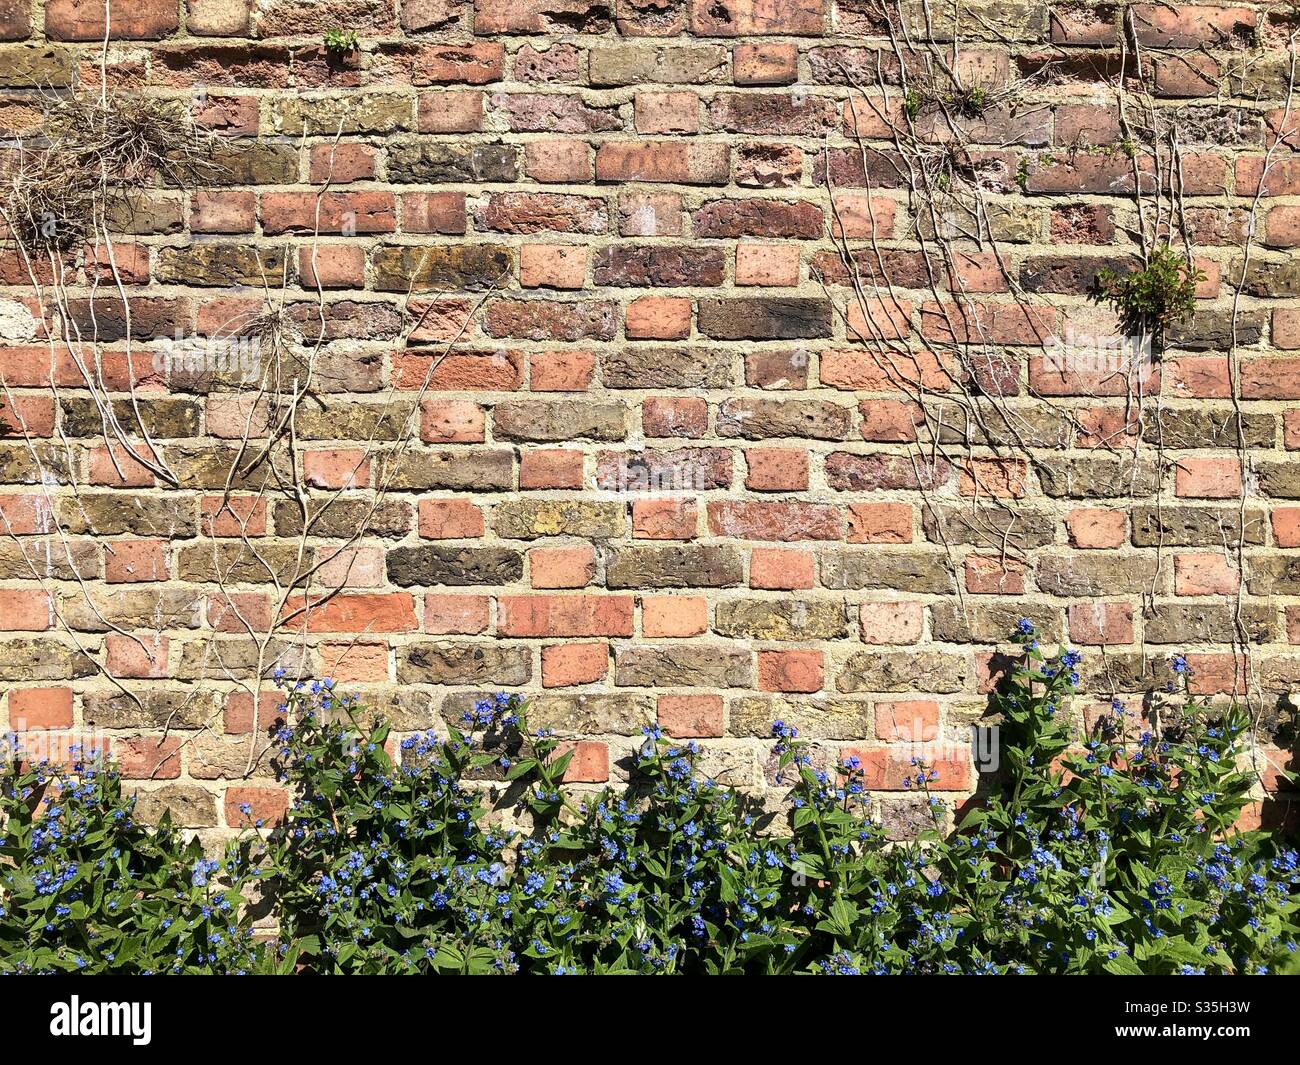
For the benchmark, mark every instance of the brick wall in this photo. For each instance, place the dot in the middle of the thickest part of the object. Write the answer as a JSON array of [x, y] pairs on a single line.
[[711, 420]]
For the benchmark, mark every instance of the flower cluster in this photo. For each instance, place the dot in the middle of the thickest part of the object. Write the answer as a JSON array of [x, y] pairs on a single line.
[[85, 887], [1107, 850]]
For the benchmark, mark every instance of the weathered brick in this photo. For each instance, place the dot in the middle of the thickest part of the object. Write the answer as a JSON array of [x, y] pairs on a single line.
[[685, 566], [683, 666], [450, 662], [764, 619], [430, 565], [894, 671]]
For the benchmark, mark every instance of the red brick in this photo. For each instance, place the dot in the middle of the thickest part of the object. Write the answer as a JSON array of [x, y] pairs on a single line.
[[1208, 478], [1286, 526], [766, 63], [450, 519], [564, 615], [561, 371], [239, 611], [664, 519], [1101, 623], [1205, 573], [350, 567], [120, 467], [236, 417], [143, 656], [780, 569], [663, 416], [753, 18], [434, 212], [26, 416], [337, 468], [356, 612], [861, 371], [25, 515], [667, 112], [1286, 328], [590, 762], [649, 214], [674, 615], [449, 112], [558, 161], [15, 21], [767, 264], [562, 567], [561, 266], [674, 162], [1096, 527], [880, 523], [354, 662], [1106, 427], [907, 720], [747, 520], [149, 757], [346, 213], [989, 575], [1217, 674], [1000, 478], [658, 318], [223, 211], [568, 664], [126, 561], [266, 806], [790, 671], [1199, 377], [456, 614], [776, 469], [40, 708], [332, 266], [1270, 378], [341, 163], [1190, 25], [890, 421], [25, 610], [885, 769], [238, 717], [891, 623], [690, 716], [472, 64], [551, 468], [83, 20], [776, 369], [500, 370], [452, 421]]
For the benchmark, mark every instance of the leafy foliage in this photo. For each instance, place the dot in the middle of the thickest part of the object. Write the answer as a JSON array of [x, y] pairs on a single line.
[[1113, 852], [341, 42], [1148, 301], [85, 887]]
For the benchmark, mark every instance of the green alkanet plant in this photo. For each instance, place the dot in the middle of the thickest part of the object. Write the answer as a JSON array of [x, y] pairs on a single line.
[[1110, 850], [85, 887]]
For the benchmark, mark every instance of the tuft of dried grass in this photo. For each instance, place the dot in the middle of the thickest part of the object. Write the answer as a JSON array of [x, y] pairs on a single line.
[[47, 207], [132, 140], [94, 154]]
